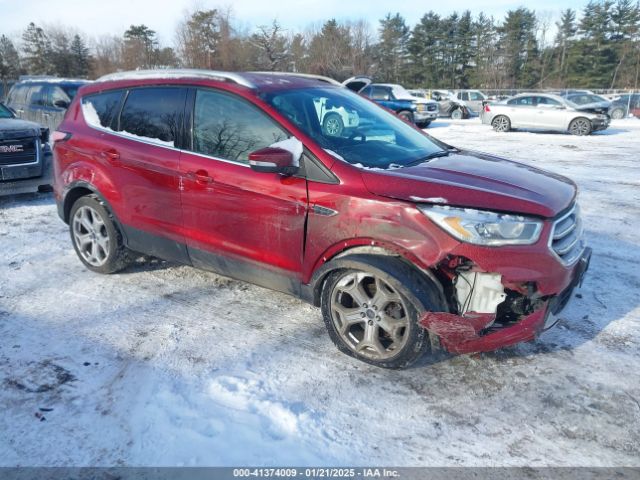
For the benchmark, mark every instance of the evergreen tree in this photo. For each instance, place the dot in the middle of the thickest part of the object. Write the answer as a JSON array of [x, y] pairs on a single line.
[[465, 52], [9, 60], [392, 49], [423, 46], [36, 48], [518, 49], [593, 58], [141, 47], [484, 75], [80, 57], [60, 55]]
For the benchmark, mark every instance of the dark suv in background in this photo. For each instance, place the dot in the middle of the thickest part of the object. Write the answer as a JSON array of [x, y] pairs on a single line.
[[43, 100], [25, 156]]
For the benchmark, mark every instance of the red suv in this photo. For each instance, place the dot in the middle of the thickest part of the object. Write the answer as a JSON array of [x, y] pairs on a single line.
[[407, 244]]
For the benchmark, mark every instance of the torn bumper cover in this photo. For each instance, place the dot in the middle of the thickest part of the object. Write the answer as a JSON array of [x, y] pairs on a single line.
[[469, 333]]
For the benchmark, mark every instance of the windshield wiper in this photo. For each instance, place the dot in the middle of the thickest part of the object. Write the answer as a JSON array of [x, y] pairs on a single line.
[[431, 156]]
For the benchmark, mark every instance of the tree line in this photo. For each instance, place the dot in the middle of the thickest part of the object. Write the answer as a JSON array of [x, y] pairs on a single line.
[[598, 47]]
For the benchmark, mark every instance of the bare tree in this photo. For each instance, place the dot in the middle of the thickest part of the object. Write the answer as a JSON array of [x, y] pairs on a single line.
[[272, 47]]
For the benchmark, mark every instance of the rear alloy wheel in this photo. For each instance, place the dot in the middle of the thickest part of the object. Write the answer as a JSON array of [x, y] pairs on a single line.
[[370, 319], [333, 125], [617, 114], [501, 124], [95, 237], [580, 126], [457, 114]]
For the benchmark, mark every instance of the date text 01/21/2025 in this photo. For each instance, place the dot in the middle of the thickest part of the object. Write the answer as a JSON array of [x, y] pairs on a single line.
[[316, 472]]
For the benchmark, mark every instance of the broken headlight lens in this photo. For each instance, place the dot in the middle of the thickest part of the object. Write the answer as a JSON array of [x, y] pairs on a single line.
[[484, 228]]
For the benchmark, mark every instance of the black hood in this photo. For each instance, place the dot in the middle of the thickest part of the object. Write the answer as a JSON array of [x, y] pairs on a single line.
[[11, 128]]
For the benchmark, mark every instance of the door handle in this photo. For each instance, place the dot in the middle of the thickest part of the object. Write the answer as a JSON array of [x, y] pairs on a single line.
[[200, 176], [110, 155]]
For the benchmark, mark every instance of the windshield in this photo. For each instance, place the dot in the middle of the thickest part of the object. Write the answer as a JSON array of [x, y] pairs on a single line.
[[5, 112], [400, 92], [354, 129]]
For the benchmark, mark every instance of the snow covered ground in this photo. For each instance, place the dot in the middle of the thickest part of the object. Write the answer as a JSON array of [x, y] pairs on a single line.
[[167, 365]]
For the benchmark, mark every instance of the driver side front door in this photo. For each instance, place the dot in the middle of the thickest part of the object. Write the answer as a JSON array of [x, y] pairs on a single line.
[[239, 222]]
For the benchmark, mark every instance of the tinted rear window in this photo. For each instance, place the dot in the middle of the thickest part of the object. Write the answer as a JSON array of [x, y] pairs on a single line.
[[101, 109], [154, 113]]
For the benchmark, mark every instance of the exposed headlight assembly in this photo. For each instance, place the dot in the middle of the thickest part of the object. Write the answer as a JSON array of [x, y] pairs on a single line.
[[484, 228]]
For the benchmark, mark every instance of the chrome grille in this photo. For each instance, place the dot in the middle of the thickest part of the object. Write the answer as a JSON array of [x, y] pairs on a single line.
[[19, 151], [566, 236], [432, 108]]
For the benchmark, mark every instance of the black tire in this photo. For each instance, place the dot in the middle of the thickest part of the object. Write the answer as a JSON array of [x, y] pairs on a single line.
[[333, 125], [415, 290], [424, 124], [457, 114], [116, 255], [407, 116], [501, 123], [617, 113], [580, 126]]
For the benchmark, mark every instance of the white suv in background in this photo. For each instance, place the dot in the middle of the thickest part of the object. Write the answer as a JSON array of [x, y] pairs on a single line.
[[473, 99], [335, 119]]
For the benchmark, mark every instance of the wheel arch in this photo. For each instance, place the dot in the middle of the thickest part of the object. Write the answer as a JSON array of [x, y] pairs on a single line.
[[375, 256], [79, 189], [578, 117]]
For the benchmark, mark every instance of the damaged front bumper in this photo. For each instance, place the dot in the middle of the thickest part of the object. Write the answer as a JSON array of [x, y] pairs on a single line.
[[476, 332]]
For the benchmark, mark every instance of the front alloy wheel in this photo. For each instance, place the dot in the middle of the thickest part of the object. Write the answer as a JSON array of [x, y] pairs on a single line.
[[371, 318], [580, 127]]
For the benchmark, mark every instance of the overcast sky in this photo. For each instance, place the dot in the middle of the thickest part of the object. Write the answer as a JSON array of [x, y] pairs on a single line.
[[95, 17]]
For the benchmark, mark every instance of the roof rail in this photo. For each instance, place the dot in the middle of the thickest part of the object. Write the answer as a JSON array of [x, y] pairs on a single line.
[[172, 73], [310, 76]]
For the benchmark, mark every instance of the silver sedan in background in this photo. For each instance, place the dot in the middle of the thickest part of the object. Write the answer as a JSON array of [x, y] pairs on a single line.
[[542, 111]]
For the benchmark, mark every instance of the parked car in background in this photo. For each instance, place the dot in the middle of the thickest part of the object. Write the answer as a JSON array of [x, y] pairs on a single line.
[[591, 101], [544, 112], [625, 105], [25, 156], [420, 111], [405, 243], [449, 106], [473, 99], [43, 100]]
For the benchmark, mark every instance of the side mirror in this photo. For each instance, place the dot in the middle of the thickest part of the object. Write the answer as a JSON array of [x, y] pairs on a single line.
[[61, 104], [273, 160]]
